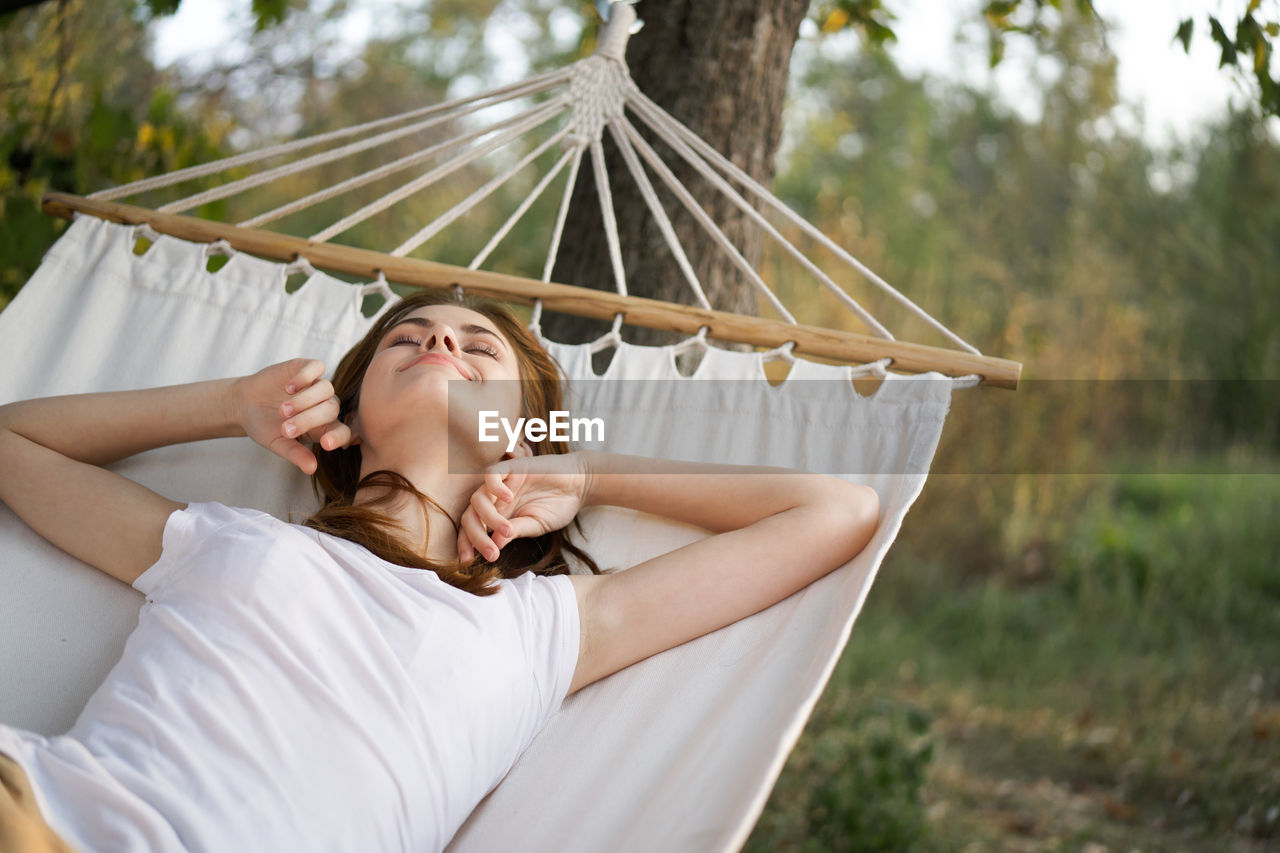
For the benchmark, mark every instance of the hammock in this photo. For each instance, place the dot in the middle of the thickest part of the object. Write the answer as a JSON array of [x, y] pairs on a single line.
[[678, 752]]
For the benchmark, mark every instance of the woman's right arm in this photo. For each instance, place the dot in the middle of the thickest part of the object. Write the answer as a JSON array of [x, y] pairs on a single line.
[[52, 450]]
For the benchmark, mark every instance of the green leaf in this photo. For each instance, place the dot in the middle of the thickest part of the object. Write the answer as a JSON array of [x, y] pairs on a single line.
[[1248, 34], [1224, 41], [868, 16], [1184, 34], [163, 7], [998, 10], [879, 33], [269, 12]]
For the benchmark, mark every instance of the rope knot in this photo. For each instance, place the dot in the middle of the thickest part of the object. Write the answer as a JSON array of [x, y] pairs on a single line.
[[596, 90]]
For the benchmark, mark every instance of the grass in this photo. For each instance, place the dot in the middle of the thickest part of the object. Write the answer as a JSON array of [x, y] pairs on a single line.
[[1109, 678]]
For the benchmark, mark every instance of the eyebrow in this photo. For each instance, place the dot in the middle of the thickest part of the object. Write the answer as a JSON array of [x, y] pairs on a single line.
[[469, 328]]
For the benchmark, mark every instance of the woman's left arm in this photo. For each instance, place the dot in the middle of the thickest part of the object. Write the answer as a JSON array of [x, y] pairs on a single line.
[[777, 532]]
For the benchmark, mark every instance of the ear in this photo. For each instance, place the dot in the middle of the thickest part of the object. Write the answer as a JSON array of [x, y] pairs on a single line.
[[522, 449]]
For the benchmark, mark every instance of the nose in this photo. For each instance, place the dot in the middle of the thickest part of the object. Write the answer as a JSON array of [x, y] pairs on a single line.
[[444, 337]]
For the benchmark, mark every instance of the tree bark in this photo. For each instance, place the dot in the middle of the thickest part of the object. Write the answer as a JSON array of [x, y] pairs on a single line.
[[720, 67]]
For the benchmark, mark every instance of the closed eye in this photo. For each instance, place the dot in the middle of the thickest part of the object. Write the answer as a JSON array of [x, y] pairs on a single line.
[[483, 348], [404, 339]]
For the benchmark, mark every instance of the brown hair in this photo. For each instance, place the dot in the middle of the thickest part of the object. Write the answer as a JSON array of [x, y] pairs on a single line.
[[337, 478]]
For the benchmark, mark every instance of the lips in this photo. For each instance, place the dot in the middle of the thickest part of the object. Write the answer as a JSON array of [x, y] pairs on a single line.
[[437, 358]]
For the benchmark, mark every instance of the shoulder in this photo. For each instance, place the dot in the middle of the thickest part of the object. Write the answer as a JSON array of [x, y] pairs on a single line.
[[201, 520], [204, 530], [216, 514], [541, 598]]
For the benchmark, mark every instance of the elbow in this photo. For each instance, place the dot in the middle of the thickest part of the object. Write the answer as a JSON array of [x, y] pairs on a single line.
[[866, 514], [858, 517]]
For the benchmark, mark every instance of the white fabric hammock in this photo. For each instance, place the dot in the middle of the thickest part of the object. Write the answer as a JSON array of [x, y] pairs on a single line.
[[676, 753]]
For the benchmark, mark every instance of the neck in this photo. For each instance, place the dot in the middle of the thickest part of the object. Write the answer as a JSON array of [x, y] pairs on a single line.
[[434, 536]]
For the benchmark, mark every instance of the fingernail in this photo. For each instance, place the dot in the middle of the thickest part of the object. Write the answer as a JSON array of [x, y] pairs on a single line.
[[291, 388], [290, 429], [287, 409]]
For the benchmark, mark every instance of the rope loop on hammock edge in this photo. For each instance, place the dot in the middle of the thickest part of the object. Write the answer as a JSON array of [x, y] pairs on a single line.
[[697, 340], [535, 319], [219, 247], [299, 265], [613, 337], [878, 369], [786, 352], [143, 231], [381, 287]]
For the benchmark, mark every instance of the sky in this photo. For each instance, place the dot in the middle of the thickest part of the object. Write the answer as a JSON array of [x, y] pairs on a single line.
[[1175, 93]]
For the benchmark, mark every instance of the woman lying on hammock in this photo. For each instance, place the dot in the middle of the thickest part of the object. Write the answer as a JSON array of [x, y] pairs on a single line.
[[360, 682]]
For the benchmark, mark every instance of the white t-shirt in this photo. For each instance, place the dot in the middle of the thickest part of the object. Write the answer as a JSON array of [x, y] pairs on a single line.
[[287, 690]]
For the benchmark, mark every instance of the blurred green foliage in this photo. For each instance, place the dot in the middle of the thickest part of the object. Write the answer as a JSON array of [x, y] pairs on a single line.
[[83, 109], [853, 783], [265, 12], [1115, 681], [1067, 242], [1254, 37], [1255, 32]]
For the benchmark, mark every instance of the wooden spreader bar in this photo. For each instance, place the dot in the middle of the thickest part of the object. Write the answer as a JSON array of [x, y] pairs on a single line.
[[567, 299]]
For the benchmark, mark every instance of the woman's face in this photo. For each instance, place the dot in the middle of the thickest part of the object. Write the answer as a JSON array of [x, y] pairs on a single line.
[[436, 369]]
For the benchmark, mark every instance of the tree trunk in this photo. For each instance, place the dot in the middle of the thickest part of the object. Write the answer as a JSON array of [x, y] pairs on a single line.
[[720, 67]]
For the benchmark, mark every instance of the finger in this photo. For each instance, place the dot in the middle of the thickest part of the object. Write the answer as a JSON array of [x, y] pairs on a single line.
[[465, 551], [296, 453], [467, 523], [310, 371], [522, 527], [493, 481], [312, 395], [332, 436], [484, 509], [479, 537], [316, 416]]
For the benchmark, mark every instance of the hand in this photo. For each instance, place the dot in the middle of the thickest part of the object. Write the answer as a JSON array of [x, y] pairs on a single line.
[[523, 497], [280, 404]]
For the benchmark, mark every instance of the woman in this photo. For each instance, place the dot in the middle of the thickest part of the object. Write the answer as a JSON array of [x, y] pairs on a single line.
[[362, 681]]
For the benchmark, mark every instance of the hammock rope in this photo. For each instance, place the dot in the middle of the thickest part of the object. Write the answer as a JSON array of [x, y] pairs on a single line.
[[606, 212], [442, 222], [383, 171], [742, 204], [204, 170], [709, 225], [534, 118], [520, 211], [664, 120], [637, 172], [598, 93], [554, 251]]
